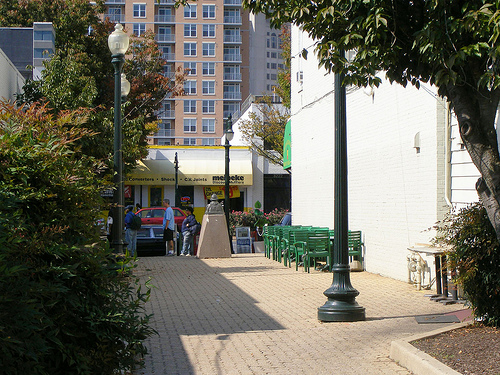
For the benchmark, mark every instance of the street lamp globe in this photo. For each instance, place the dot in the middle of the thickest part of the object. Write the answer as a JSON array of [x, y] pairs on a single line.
[[125, 89], [118, 41]]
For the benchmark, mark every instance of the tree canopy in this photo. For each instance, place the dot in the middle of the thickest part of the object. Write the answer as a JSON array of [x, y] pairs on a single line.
[[80, 75], [265, 128], [452, 44]]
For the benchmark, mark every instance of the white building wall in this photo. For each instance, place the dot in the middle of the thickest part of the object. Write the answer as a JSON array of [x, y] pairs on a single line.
[[395, 192], [12, 81]]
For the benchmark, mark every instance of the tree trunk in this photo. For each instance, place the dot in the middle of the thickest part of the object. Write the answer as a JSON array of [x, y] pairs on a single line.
[[476, 111]]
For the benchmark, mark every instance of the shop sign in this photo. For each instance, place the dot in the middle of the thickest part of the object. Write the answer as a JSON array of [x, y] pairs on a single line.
[[234, 191]]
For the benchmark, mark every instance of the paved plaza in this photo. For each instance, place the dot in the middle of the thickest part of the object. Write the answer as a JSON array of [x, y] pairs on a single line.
[[251, 315]]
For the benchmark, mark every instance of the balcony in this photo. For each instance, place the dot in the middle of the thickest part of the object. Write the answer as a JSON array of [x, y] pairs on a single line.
[[232, 95], [165, 38], [232, 76], [232, 57], [166, 18], [232, 38], [168, 56], [164, 133], [233, 20], [165, 2], [115, 2], [232, 2], [167, 114], [120, 18]]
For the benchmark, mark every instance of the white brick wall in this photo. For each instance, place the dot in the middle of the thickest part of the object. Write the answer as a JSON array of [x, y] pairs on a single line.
[[395, 193]]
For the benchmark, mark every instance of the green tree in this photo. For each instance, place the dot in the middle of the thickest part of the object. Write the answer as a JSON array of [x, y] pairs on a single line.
[[453, 45], [265, 128], [283, 89]]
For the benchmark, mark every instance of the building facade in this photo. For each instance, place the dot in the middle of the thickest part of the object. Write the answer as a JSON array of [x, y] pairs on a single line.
[[406, 165], [227, 52], [28, 46]]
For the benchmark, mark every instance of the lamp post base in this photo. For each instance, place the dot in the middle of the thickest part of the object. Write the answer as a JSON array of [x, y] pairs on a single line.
[[341, 305], [341, 311]]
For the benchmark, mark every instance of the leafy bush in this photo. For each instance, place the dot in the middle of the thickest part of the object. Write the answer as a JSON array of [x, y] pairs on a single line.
[[67, 304], [251, 218], [476, 257]]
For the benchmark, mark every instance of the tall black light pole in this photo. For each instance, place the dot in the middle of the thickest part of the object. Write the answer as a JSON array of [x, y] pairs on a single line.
[[176, 167], [118, 42], [229, 134], [341, 305]]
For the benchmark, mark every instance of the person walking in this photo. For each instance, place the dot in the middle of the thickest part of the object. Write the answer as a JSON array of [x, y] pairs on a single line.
[[130, 232], [188, 231], [168, 227]]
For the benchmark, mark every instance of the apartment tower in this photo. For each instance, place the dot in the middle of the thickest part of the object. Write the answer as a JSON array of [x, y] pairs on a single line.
[[229, 52]]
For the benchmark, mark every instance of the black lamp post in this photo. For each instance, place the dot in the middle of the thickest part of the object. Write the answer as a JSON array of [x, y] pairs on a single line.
[[176, 167], [341, 305], [118, 42], [229, 134]]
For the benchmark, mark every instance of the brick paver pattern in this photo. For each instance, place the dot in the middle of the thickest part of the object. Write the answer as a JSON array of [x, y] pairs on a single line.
[[251, 315]]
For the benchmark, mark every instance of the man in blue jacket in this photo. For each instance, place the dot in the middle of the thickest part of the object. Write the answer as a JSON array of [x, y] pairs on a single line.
[[188, 232]]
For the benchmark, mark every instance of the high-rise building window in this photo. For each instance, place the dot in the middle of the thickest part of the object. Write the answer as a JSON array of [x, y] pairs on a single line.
[[208, 69], [208, 87], [209, 31], [114, 14], [208, 125], [139, 29], [189, 125], [189, 141], [208, 141], [208, 49], [191, 68], [139, 10], [42, 53], [189, 49], [190, 30], [208, 11], [208, 106], [190, 87], [190, 11], [189, 106]]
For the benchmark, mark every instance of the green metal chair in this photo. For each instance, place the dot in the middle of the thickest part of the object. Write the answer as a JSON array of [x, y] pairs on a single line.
[[318, 246], [267, 235], [298, 246]]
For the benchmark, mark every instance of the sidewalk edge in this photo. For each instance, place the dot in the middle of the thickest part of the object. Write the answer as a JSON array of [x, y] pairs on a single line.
[[418, 362]]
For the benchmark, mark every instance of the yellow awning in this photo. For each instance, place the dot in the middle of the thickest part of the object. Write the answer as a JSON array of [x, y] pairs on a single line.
[[191, 172]]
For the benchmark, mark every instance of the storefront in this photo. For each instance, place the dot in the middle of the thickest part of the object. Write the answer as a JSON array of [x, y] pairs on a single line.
[[199, 172]]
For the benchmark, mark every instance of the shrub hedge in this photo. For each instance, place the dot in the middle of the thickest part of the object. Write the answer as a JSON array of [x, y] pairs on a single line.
[[475, 255], [67, 304]]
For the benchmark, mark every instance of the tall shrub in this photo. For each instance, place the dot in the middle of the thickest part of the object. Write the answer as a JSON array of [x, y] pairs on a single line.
[[475, 254], [66, 306]]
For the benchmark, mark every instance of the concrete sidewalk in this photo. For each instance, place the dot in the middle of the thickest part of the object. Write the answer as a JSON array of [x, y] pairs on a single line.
[[251, 315]]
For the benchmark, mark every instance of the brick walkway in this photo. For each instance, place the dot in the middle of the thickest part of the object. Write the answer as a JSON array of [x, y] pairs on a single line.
[[251, 315]]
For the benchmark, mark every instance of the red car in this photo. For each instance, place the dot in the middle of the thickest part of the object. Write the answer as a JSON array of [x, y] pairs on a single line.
[[154, 215]]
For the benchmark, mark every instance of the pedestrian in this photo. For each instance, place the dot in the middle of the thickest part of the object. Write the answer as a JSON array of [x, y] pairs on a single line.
[[188, 230], [168, 227], [137, 207], [130, 233]]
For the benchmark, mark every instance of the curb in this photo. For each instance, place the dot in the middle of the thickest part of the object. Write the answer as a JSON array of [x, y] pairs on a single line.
[[418, 362]]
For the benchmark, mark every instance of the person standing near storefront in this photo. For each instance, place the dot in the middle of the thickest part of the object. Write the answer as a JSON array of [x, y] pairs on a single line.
[[168, 227], [188, 231], [130, 231]]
